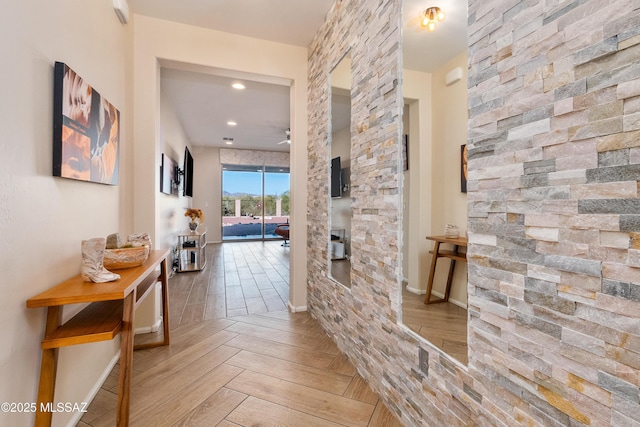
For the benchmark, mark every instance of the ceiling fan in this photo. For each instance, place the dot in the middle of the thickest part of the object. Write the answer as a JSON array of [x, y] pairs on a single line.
[[288, 140]]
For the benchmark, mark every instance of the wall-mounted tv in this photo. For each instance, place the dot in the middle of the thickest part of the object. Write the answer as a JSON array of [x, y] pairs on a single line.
[[188, 173], [336, 177], [86, 130]]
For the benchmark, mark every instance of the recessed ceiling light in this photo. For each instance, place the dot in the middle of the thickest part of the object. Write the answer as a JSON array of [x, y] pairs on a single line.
[[238, 85], [232, 123]]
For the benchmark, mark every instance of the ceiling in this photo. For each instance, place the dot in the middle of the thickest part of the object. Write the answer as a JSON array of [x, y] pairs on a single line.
[[204, 100]]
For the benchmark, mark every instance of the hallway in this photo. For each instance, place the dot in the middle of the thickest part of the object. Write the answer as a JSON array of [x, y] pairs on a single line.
[[237, 357], [239, 278]]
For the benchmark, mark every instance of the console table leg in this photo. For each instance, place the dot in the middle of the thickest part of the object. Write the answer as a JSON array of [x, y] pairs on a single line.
[[164, 284], [432, 272], [48, 369], [126, 361], [452, 266]]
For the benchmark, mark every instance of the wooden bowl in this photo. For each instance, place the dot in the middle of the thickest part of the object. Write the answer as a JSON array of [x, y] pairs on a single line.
[[115, 259]]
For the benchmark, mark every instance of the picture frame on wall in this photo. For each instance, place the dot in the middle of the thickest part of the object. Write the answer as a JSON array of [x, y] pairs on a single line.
[[463, 168], [168, 175], [164, 187], [86, 130]]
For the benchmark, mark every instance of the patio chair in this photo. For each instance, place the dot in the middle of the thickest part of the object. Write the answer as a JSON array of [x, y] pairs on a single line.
[[282, 230]]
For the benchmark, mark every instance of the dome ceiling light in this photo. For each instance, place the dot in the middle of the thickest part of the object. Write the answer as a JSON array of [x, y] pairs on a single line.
[[431, 16]]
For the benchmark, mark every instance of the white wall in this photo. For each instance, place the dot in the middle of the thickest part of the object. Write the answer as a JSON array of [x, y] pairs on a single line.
[[449, 133], [43, 219], [416, 90], [207, 189], [170, 208], [183, 45]]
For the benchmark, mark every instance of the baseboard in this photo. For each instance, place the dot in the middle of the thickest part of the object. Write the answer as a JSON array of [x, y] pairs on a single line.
[[296, 309], [149, 329], [77, 415], [451, 300], [416, 291]]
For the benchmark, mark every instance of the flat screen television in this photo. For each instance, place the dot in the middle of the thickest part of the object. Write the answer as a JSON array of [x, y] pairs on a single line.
[[336, 177], [188, 173]]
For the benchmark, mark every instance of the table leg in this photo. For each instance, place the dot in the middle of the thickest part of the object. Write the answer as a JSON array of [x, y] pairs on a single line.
[[452, 266], [126, 360], [432, 272], [164, 284], [48, 370], [163, 278]]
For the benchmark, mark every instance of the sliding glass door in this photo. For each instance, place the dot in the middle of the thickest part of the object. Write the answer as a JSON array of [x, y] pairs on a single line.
[[255, 199], [276, 199]]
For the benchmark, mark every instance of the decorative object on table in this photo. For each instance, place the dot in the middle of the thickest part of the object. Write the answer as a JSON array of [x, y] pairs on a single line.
[[131, 254], [93, 269], [195, 216], [125, 257], [113, 241], [451, 231], [86, 130], [140, 239]]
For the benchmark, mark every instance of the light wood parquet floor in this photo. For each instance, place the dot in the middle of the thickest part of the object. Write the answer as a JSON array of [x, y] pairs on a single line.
[[241, 364], [443, 324]]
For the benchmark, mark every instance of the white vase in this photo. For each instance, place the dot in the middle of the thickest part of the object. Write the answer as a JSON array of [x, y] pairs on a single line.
[[451, 231]]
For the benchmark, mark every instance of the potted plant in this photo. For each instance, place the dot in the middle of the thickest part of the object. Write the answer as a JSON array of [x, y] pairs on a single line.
[[195, 217]]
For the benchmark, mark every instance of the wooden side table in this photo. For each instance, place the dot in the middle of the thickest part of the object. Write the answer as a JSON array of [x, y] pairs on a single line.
[[110, 312], [454, 255]]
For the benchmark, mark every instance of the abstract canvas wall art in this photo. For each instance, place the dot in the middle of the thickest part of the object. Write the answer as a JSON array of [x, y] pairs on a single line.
[[86, 130]]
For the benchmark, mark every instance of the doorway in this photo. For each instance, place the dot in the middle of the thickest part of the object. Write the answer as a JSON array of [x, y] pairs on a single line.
[[255, 200]]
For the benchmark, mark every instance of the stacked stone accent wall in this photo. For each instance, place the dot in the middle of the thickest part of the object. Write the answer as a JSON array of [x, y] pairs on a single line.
[[554, 216], [230, 156]]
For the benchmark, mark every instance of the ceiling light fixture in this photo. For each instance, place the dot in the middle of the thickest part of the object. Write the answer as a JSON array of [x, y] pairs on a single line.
[[227, 140], [232, 123], [431, 16], [238, 86], [288, 139]]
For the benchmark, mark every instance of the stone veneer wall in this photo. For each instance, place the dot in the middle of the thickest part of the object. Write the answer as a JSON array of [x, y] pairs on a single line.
[[231, 156], [554, 216]]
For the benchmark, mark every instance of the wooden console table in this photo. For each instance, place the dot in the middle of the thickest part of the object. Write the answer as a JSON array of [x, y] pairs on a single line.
[[454, 255], [111, 311]]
